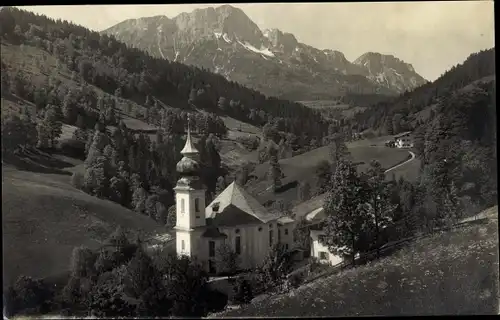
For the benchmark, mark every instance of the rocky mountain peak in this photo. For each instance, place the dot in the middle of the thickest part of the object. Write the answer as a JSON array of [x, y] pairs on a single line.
[[225, 40], [228, 20], [281, 41]]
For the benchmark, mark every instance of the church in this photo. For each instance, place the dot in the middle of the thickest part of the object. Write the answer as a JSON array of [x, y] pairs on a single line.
[[233, 218]]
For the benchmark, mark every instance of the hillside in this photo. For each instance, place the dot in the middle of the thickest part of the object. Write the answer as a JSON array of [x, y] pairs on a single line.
[[44, 217], [136, 79], [449, 273], [225, 40], [410, 106], [302, 168]]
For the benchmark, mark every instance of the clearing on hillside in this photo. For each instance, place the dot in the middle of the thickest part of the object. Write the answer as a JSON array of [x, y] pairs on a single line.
[[452, 272]]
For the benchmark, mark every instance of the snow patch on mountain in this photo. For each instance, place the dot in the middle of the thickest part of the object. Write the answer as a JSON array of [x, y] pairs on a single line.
[[218, 34], [264, 51]]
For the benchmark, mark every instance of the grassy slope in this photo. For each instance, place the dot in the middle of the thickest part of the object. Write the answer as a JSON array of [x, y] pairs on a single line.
[[453, 272], [302, 167], [44, 218]]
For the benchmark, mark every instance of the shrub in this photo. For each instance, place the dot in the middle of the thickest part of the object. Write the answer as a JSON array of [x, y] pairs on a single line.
[[28, 296], [216, 301], [242, 292], [77, 180], [296, 280]]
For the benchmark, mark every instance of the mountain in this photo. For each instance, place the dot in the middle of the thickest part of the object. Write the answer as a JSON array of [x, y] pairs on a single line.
[[226, 41], [415, 106]]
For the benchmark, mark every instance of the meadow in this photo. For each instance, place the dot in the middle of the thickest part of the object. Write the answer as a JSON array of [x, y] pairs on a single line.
[[448, 273], [44, 217]]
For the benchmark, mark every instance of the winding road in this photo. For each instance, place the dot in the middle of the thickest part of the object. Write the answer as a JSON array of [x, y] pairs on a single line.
[[402, 163]]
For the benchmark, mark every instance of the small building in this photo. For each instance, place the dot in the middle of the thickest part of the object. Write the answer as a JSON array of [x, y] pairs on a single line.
[[403, 140], [314, 214]]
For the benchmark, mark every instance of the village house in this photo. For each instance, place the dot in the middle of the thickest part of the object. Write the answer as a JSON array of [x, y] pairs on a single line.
[[403, 140]]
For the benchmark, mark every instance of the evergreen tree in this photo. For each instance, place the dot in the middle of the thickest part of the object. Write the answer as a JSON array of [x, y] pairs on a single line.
[[345, 223], [275, 173]]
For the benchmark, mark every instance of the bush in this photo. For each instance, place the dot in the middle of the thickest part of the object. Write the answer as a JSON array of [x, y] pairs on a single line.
[[77, 180], [242, 292], [296, 280], [28, 296], [216, 301]]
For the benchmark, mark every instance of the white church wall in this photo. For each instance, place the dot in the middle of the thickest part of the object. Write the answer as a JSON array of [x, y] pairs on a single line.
[[254, 242]]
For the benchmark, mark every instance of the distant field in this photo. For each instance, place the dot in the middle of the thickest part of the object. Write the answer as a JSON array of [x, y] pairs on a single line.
[[302, 167], [453, 272], [345, 110], [44, 218]]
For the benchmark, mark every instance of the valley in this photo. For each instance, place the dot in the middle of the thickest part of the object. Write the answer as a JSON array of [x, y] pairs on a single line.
[[144, 163]]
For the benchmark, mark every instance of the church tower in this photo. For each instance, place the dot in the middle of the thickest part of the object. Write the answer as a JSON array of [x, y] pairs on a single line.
[[190, 201]]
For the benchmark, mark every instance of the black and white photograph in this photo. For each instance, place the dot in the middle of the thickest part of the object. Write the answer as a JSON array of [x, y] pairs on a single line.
[[249, 160]]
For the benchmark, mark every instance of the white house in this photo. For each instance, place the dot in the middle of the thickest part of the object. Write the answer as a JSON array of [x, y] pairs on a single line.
[[313, 212], [404, 140], [234, 218]]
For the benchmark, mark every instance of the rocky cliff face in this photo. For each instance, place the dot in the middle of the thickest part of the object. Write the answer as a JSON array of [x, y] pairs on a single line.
[[226, 41]]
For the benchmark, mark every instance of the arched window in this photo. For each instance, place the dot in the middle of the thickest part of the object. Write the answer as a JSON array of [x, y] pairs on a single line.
[[182, 205]]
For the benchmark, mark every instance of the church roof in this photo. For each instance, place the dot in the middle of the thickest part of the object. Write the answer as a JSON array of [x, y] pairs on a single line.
[[238, 201], [214, 233]]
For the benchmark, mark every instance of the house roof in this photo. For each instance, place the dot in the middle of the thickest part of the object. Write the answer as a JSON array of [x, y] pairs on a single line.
[[238, 201], [306, 207], [403, 134], [285, 220]]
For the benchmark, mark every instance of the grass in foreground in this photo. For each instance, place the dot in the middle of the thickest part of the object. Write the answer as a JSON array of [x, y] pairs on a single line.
[[454, 272]]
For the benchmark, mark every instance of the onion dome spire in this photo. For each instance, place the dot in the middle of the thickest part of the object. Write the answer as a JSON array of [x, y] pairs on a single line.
[[189, 163]]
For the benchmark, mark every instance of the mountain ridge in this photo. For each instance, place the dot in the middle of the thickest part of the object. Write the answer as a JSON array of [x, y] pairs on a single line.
[[226, 41]]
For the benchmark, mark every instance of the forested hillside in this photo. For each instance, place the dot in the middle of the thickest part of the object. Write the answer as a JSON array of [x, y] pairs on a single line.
[[57, 75], [394, 115], [134, 75]]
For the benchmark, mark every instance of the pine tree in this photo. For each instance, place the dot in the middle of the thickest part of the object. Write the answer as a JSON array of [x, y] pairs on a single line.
[[345, 223], [52, 125], [275, 173], [380, 208], [69, 109]]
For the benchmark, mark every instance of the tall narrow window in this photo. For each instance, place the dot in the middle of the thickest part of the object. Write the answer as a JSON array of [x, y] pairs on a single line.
[[270, 238], [211, 248], [182, 205], [238, 245], [286, 232], [279, 235], [197, 205], [182, 245]]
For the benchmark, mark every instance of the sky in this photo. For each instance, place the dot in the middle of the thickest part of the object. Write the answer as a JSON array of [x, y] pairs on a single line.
[[433, 36]]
